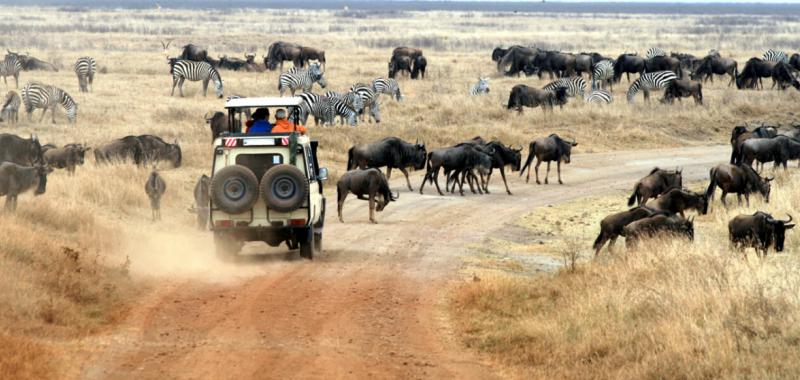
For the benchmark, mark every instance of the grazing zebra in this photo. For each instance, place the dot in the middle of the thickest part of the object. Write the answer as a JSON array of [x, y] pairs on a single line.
[[387, 86], [302, 79], [352, 102], [10, 67], [599, 96], [182, 69], [776, 56], [370, 99], [319, 106], [10, 110], [84, 69], [38, 95], [480, 88], [655, 52], [650, 81], [603, 74], [576, 86]]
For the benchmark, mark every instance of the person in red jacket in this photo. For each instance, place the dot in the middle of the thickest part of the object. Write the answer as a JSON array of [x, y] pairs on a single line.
[[284, 126]]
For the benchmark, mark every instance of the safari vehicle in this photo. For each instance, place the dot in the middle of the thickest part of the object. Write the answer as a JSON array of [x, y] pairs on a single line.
[[266, 187]]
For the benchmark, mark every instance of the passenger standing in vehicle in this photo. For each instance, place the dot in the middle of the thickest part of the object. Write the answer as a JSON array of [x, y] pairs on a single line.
[[285, 126], [260, 123]]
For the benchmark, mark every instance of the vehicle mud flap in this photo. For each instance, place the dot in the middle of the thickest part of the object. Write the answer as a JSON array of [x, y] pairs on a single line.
[[307, 244]]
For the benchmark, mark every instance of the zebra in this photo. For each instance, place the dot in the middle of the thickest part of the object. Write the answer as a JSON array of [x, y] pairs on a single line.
[[370, 99], [650, 81], [599, 96], [481, 87], [387, 86], [10, 109], [85, 68], [301, 79], [182, 69], [10, 67], [319, 106], [655, 52], [603, 74], [353, 105], [575, 85], [776, 56], [39, 95]]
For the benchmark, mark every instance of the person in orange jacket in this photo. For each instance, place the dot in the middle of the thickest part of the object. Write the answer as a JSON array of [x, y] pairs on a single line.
[[284, 126]]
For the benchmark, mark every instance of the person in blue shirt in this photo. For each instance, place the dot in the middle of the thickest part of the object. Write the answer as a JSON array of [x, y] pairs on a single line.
[[260, 123]]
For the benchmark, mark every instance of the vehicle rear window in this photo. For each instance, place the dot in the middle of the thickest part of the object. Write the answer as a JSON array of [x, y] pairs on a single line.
[[259, 163]]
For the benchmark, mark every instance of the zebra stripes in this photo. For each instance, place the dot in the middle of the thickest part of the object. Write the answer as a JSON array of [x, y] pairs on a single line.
[[481, 87], [775, 56], [576, 86], [655, 52], [319, 106], [182, 69], [387, 86], [85, 68], [38, 95], [347, 105], [10, 67], [602, 74], [599, 96], [302, 79], [10, 109], [650, 81], [370, 99]]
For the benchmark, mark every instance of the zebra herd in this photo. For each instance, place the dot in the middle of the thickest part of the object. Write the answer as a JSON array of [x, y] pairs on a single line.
[[360, 100]]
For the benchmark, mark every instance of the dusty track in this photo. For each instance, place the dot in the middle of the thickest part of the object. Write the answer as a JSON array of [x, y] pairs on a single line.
[[370, 306]]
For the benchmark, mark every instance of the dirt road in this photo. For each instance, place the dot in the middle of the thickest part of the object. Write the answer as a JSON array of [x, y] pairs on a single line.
[[371, 306]]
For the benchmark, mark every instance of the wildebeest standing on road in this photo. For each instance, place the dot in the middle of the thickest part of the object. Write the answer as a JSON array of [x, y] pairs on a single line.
[[391, 152], [17, 179], [551, 148], [502, 156], [369, 185], [740, 134], [739, 179], [155, 188], [658, 182], [759, 231], [201, 201], [458, 158]]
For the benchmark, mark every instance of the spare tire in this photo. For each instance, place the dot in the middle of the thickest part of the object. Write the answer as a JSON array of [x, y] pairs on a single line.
[[234, 189], [284, 188]]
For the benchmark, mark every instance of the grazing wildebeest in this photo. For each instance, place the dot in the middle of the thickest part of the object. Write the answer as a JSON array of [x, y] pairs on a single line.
[[516, 59], [739, 179], [67, 157], [783, 76], [676, 201], [658, 225], [418, 71], [201, 201], [218, 123], [367, 184], [309, 53], [711, 65], [20, 150], [407, 51], [754, 70], [522, 95], [583, 64], [683, 88], [661, 63], [628, 63], [400, 64], [550, 148], [232, 63], [17, 179], [759, 231], [391, 152], [194, 52], [457, 158], [123, 149], [155, 188], [30, 63], [740, 134], [658, 182], [155, 149], [552, 62], [281, 51], [611, 226], [778, 149]]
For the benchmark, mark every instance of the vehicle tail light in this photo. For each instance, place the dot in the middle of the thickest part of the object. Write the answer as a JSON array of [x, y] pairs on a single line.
[[223, 223], [297, 222]]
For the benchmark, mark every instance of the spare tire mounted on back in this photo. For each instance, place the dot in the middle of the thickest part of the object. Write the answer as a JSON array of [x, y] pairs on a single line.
[[284, 188], [234, 189]]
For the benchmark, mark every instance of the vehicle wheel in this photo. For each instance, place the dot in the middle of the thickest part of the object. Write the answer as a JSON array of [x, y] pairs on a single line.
[[284, 188], [307, 246], [234, 189], [226, 248]]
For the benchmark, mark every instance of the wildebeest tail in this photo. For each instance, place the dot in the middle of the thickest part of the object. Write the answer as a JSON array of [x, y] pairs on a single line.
[[350, 161], [529, 160], [428, 176], [598, 242], [712, 183], [634, 196]]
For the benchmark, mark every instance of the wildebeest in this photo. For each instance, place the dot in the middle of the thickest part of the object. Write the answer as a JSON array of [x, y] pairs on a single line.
[[754, 70], [498, 53], [20, 150], [783, 76], [391, 152], [201, 201], [503, 156], [10, 109], [676, 201], [522, 95], [120, 150], [281, 51], [658, 182], [407, 51], [552, 62], [759, 231], [67, 157], [516, 59], [30, 63], [628, 63], [689, 63], [367, 184], [683, 88], [400, 64], [194, 52], [218, 123], [740, 134], [481, 160], [658, 225], [418, 71], [661, 63], [155, 149], [792, 131], [155, 188], [550, 148], [232, 63], [739, 179], [458, 158], [309, 53], [16, 179], [778, 149], [711, 65], [794, 61], [611, 227], [583, 64]]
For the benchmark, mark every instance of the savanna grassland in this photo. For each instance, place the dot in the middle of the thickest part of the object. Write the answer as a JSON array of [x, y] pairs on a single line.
[[72, 259]]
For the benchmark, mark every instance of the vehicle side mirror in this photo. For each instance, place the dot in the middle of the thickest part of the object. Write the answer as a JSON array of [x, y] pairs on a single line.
[[323, 174]]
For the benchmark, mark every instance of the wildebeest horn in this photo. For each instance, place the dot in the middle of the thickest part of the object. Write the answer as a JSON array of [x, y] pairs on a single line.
[[790, 219], [393, 196], [769, 179], [574, 142], [205, 116]]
